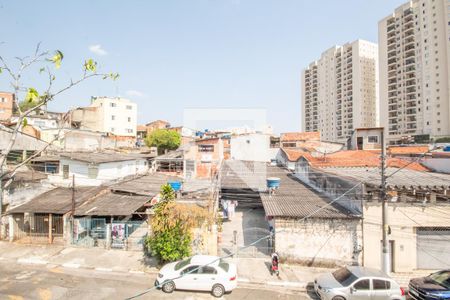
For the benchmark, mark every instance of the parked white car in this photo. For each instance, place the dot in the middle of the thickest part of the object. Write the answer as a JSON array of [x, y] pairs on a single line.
[[357, 283], [198, 273]]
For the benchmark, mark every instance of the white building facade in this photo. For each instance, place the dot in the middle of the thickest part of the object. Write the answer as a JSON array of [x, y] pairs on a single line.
[[107, 114], [340, 91], [414, 70]]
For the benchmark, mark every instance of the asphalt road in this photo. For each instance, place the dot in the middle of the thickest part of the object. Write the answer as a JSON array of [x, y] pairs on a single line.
[[46, 282]]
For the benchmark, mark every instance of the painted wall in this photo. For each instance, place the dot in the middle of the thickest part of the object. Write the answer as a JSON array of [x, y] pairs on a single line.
[[106, 172], [437, 164], [253, 147], [319, 242], [403, 219]]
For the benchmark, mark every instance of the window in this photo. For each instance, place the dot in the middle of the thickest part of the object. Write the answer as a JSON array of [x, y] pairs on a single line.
[[130, 130], [112, 129], [129, 107], [224, 265], [113, 117], [379, 284], [65, 171], [289, 145], [205, 148], [129, 119], [362, 285], [93, 172], [373, 139], [344, 276], [207, 270], [190, 270], [182, 264], [113, 104]]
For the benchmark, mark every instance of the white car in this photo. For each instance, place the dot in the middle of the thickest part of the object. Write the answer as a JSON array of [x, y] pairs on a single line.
[[198, 273]]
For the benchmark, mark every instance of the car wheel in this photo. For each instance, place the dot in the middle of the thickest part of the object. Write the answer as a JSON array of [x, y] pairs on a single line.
[[338, 298], [168, 287], [218, 290]]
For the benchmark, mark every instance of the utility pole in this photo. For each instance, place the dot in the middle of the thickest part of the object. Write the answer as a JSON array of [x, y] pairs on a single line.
[[385, 262], [72, 215]]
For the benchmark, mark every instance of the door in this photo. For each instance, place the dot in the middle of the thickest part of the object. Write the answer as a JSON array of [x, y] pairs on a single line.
[[207, 277], [359, 143], [380, 289], [433, 248], [360, 290], [188, 279]]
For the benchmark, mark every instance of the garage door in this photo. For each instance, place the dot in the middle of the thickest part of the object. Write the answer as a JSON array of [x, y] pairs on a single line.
[[433, 248]]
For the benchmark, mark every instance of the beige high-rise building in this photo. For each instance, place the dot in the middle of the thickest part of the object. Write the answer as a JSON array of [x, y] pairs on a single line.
[[414, 57], [340, 91]]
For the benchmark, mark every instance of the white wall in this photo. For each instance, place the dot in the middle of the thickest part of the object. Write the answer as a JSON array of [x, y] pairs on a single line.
[[253, 147], [441, 165], [320, 242], [106, 172]]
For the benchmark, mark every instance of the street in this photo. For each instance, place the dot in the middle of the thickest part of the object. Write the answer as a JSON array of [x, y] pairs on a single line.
[[50, 282]]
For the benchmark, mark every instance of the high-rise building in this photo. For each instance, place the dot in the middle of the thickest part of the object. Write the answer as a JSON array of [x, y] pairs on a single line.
[[414, 57], [340, 91]]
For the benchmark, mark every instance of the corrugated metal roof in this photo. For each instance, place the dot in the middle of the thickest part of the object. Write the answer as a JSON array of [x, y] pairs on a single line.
[[110, 204], [57, 201], [403, 178], [98, 158], [293, 198], [148, 185]]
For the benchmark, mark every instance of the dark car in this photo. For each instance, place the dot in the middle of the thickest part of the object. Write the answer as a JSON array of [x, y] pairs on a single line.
[[432, 287]]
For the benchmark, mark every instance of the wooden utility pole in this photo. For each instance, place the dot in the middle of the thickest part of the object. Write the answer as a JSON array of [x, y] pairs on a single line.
[[385, 264]]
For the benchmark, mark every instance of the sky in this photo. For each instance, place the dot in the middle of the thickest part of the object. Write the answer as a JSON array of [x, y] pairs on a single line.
[[172, 55]]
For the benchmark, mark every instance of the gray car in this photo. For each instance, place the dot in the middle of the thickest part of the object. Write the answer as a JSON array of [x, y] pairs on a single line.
[[354, 283]]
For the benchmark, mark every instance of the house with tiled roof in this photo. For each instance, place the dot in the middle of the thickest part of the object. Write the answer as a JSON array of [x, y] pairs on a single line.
[[418, 203]]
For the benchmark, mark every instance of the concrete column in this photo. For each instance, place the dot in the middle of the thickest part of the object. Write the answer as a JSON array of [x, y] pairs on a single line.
[[11, 228], [50, 231], [108, 236], [67, 230], [433, 197]]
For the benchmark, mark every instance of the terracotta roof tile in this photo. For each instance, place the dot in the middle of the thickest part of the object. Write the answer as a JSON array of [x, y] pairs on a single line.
[[300, 136], [408, 150], [351, 158]]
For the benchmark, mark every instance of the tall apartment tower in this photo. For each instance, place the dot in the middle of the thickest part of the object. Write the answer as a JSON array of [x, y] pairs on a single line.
[[414, 71], [340, 91]]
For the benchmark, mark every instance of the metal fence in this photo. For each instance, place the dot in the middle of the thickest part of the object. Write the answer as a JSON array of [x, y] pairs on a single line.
[[38, 228], [90, 232], [97, 232]]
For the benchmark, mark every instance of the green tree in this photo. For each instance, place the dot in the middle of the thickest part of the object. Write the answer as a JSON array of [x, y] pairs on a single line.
[[172, 224], [163, 139]]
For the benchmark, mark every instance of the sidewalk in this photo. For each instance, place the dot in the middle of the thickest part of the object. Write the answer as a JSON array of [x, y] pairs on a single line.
[[257, 271], [75, 257], [254, 272]]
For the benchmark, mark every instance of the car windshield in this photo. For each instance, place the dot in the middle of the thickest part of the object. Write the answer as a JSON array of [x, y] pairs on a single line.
[[182, 264], [443, 278], [224, 265], [344, 276]]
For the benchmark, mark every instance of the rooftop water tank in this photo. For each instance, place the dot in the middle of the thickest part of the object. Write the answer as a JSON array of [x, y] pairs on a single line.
[[176, 185], [273, 182]]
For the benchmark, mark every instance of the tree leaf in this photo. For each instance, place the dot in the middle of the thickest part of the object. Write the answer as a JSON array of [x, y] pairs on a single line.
[[1, 70], [41, 70], [57, 58], [32, 95], [90, 65], [25, 122]]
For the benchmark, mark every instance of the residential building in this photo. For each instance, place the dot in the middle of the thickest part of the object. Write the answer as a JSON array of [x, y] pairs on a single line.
[[340, 91], [252, 146], [113, 115], [300, 233], [94, 169], [365, 139], [6, 106], [417, 204], [414, 52]]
